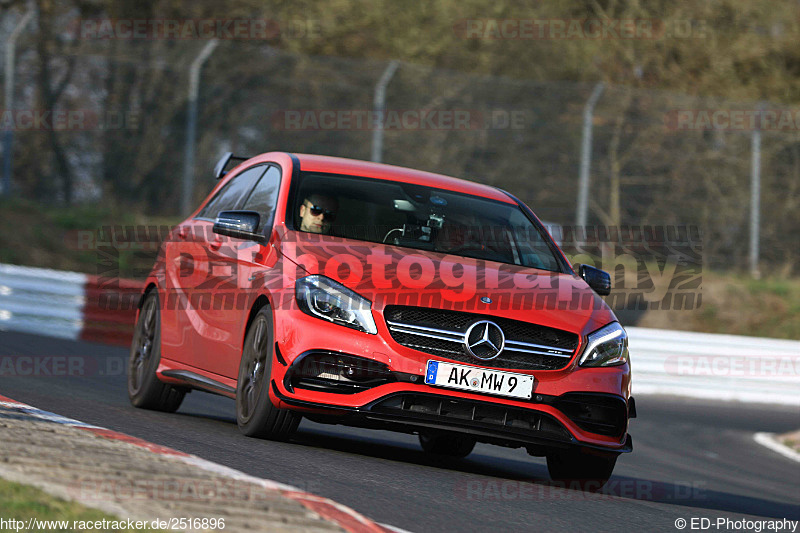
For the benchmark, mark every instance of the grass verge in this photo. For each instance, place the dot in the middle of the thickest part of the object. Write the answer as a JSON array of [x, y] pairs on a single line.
[[23, 503], [738, 305], [792, 440]]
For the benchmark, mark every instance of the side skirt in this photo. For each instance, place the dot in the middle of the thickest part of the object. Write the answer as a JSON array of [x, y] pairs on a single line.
[[196, 381]]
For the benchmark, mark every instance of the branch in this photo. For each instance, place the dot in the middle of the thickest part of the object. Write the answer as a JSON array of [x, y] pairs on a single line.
[[600, 212], [56, 93]]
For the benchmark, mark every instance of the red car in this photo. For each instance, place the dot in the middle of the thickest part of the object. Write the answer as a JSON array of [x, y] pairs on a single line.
[[370, 295]]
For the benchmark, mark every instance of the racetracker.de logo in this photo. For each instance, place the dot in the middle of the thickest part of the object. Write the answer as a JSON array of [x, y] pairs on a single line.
[[397, 119], [577, 29], [174, 489], [58, 366], [498, 490], [743, 366], [66, 120], [239, 29], [733, 119]]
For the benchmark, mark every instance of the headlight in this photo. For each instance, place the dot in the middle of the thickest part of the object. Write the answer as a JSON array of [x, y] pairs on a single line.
[[324, 298], [608, 346]]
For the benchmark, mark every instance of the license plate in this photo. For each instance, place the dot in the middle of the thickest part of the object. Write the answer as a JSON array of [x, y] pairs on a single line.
[[476, 379]]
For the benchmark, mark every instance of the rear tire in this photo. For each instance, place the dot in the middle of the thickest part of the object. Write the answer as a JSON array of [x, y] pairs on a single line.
[[446, 444], [145, 390], [581, 471], [256, 416]]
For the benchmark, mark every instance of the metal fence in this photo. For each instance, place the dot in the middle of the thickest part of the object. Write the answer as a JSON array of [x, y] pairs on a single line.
[[655, 158]]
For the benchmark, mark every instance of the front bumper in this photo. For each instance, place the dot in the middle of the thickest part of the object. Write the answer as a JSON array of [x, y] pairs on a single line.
[[487, 422], [571, 407]]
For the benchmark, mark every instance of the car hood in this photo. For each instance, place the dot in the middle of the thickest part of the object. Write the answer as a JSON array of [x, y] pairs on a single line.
[[394, 275]]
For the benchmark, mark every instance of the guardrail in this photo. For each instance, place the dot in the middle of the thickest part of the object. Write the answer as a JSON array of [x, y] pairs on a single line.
[[64, 304], [701, 365], [723, 367]]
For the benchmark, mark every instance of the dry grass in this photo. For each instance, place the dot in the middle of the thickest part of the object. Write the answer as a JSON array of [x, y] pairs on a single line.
[[792, 440], [738, 305]]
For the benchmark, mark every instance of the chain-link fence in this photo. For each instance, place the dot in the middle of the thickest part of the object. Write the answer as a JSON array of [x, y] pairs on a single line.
[[656, 158]]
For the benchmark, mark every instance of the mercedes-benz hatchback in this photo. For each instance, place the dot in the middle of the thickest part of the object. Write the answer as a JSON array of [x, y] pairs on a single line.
[[370, 295]]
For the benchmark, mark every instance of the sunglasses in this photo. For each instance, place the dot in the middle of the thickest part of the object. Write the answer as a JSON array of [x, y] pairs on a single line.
[[317, 211]]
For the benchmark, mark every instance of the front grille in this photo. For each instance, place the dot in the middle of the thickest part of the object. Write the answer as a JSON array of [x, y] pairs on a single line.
[[440, 332], [471, 413]]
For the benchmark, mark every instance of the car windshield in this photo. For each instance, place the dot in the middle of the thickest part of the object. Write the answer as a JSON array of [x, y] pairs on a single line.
[[419, 217]]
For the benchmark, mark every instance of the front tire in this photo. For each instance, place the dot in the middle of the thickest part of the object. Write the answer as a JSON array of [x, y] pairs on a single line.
[[145, 390], [582, 471], [256, 416]]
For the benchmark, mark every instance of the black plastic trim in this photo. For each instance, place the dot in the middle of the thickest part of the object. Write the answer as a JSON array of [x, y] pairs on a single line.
[[197, 381], [227, 157], [390, 377], [595, 412], [279, 355]]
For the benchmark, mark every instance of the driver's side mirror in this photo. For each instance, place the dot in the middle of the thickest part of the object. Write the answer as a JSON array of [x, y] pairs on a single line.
[[239, 224], [598, 280]]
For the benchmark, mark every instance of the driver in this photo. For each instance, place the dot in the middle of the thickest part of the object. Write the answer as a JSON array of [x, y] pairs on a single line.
[[317, 212], [456, 232]]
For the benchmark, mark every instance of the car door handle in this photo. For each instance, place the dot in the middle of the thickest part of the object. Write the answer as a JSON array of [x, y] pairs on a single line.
[[215, 244], [182, 233]]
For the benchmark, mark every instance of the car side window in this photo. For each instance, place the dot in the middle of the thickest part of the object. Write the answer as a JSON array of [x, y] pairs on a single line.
[[229, 196], [264, 197]]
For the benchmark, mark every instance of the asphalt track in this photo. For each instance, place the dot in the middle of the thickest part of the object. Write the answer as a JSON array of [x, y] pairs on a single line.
[[691, 458]]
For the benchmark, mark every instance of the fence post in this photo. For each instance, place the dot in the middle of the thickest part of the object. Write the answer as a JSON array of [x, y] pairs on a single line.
[[8, 101], [586, 157], [380, 108], [755, 195], [191, 125]]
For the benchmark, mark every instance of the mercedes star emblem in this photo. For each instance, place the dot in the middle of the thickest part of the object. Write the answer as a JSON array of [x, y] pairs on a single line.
[[484, 340]]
